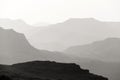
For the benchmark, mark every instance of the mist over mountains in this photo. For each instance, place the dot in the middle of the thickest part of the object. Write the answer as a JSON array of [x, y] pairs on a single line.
[[88, 42], [20, 26], [15, 48], [72, 32], [98, 50], [102, 57]]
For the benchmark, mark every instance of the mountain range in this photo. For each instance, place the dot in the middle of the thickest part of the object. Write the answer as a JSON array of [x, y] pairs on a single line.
[[15, 48], [59, 36], [100, 57], [105, 50], [75, 31], [103, 57]]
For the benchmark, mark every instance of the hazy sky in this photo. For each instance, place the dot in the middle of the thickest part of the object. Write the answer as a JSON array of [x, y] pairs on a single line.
[[52, 11]]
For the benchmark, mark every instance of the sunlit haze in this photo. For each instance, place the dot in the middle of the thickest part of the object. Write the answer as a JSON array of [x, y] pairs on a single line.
[[54, 11]]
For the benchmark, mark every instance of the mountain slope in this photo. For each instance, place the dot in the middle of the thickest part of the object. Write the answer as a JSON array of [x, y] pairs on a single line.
[[72, 32], [18, 25], [22, 27], [14, 48], [107, 69], [75, 31], [105, 50], [100, 57]]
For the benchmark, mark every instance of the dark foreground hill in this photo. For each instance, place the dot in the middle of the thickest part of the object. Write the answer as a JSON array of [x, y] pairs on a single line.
[[46, 70]]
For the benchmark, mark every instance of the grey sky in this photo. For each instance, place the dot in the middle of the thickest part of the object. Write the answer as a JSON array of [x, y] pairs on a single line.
[[53, 11]]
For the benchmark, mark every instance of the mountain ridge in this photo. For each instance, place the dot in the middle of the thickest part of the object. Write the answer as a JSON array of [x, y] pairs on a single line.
[[60, 36], [109, 46], [14, 47], [43, 70]]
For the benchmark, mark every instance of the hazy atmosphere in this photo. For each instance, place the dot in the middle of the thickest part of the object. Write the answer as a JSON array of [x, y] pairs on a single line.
[[54, 11], [59, 40]]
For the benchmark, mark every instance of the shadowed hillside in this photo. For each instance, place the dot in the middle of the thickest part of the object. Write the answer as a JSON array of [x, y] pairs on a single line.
[[46, 70]]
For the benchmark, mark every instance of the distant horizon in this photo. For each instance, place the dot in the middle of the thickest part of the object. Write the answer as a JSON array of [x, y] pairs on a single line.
[[55, 11], [48, 23]]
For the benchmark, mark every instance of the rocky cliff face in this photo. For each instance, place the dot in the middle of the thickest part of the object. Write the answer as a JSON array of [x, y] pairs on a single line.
[[45, 70]]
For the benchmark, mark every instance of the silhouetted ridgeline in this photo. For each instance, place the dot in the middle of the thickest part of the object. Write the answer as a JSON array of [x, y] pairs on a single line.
[[46, 70], [102, 57], [104, 50], [15, 48]]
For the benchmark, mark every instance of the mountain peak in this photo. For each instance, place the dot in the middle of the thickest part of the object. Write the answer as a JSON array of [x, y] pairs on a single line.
[[5, 20], [18, 25], [19, 21], [112, 39], [81, 19], [105, 50], [12, 31]]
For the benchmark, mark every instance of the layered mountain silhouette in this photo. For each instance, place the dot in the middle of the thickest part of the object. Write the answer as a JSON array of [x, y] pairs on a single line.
[[21, 26], [14, 48], [107, 69], [74, 31], [100, 57], [46, 70], [18, 25], [104, 50]]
